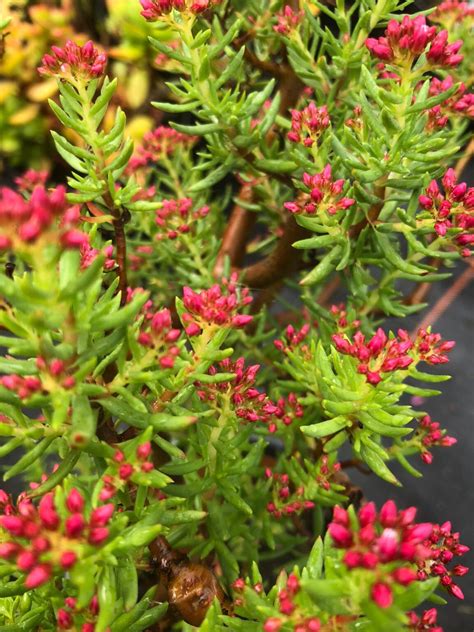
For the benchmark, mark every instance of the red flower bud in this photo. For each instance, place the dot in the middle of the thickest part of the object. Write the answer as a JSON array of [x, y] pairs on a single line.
[[382, 595]]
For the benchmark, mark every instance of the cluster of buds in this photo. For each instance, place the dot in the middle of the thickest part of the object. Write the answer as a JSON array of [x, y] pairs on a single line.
[[443, 545], [89, 255], [383, 355], [431, 348], [293, 338], [355, 121], [454, 209], [249, 403], [155, 9], [385, 538], [67, 615], [158, 334], [157, 144], [325, 471], [288, 20], [325, 194], [289, 609], [339, 313], [27, 221], [175, 217], [427, 621], [54, 373], [460, 103], [41, 540], [429, 434], [284, 411], [125, 470], [30, 180], [378, 355], [452, 12], [286, 501], [74, 62], [215, 307], [138, 257], [404, 41], [308, 124], [24, 387]]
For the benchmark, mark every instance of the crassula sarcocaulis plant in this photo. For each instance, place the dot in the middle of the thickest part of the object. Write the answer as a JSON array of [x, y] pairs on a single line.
[[173, 434]]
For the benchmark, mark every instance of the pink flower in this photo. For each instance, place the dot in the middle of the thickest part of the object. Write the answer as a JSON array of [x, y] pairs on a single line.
[[407, 40], [216, 306], [155, 9], [382, 595], [454, 209], [288, 20], [272, 625], [162, 141], [45, 215], [325, 194], [43, 541], [378, 355], [38, 576], [74, 62], [308, 124], [174, 217], [74, 501]]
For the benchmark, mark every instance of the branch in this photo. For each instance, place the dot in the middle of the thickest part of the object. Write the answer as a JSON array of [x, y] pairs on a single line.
[[280, 262], [240, 224]]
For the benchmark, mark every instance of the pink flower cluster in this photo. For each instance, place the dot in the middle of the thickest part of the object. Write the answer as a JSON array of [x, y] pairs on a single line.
[[460, 103], [325, 194], [27, 182], [409, 38], [74, 62], [162, 141], [41, 540], [430, 434], [126, 469], [24, 387], [451, 12], [25, 221], [284, 411], [175, 217], [249, 403], [443, 546], [288, 20], [326, 471], [454, 209], [217, 306], [293, 338], [155, 9], [427, 621], [66, 616], [384, 538], [158, 334], [286, 501], [339, 313], [308, 124], [430, 347], [288, 608], [383, 355], [89, 255]]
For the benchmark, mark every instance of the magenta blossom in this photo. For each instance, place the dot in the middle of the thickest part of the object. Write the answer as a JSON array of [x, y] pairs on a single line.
[[408, 39], [325, 194], [74, 62]]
